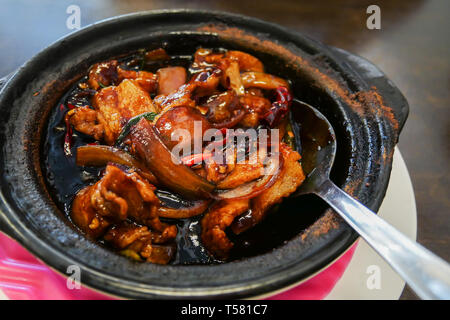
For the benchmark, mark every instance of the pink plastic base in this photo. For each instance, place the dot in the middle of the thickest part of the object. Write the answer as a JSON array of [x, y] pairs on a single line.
[[23, 277]]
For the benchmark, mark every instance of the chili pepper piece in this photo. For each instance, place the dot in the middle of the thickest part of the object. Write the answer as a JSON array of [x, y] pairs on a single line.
[[280, 106], [195, 158]]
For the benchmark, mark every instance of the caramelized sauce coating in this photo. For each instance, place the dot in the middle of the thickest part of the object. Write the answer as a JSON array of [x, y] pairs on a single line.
[[219, 90]]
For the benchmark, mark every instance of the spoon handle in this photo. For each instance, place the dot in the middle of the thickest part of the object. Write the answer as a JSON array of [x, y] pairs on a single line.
[[427, 274]]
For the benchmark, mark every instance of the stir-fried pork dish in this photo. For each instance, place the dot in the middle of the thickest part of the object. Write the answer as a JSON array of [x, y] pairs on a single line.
[[214, 134]]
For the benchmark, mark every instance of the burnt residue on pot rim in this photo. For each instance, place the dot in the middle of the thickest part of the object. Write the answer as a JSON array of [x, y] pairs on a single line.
[[367, 119]]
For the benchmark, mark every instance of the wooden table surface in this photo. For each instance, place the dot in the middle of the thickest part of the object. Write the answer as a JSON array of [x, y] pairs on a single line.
[[412, 48]]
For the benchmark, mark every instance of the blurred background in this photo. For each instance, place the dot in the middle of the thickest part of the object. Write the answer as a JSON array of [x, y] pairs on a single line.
[[412, 48]]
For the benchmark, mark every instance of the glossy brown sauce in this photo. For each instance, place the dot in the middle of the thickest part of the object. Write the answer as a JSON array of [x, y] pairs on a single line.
[[65, 179]]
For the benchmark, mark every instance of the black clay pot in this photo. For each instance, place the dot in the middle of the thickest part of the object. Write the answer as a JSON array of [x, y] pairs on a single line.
[[366, 110]]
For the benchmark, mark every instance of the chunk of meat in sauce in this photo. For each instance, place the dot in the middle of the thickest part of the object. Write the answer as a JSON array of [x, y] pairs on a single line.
[[249, 170], [290, 178], [201, 84], [250, 120], [216, 220], [170, 79], [84, 119], [146, 80], [221, 106], [180, 98], [256, 107], [246, 61], [231, 64], [117, 196], [103, 74], [138, 242], [109, 73], [204, 58], [233, 172], [255, 104], [85, 216], [206, 82], [181, 120], [231, 77], [217, 171], [223, 110], [116, 105], [156, 55]]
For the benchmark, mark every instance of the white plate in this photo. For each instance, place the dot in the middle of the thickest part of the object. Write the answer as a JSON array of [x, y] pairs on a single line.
[[398, 209]]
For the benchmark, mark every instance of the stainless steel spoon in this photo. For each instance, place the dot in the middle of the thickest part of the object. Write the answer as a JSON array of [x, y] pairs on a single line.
[[427, 274]]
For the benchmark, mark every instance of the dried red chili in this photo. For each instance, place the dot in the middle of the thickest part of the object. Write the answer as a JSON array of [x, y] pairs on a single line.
[[280, 106], [195, 158], [199, 157]]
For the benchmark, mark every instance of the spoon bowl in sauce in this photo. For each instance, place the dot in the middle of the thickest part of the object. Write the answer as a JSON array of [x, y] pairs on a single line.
[[427, 274]]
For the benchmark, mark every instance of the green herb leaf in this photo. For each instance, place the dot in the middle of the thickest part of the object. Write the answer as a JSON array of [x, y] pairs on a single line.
[[150, 116], [101, 84]]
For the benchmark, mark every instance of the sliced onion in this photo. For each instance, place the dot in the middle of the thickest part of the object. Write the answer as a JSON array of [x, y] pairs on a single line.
[[253, 188], [173, 174], [184, 212], [98, 156], [262, 80]]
